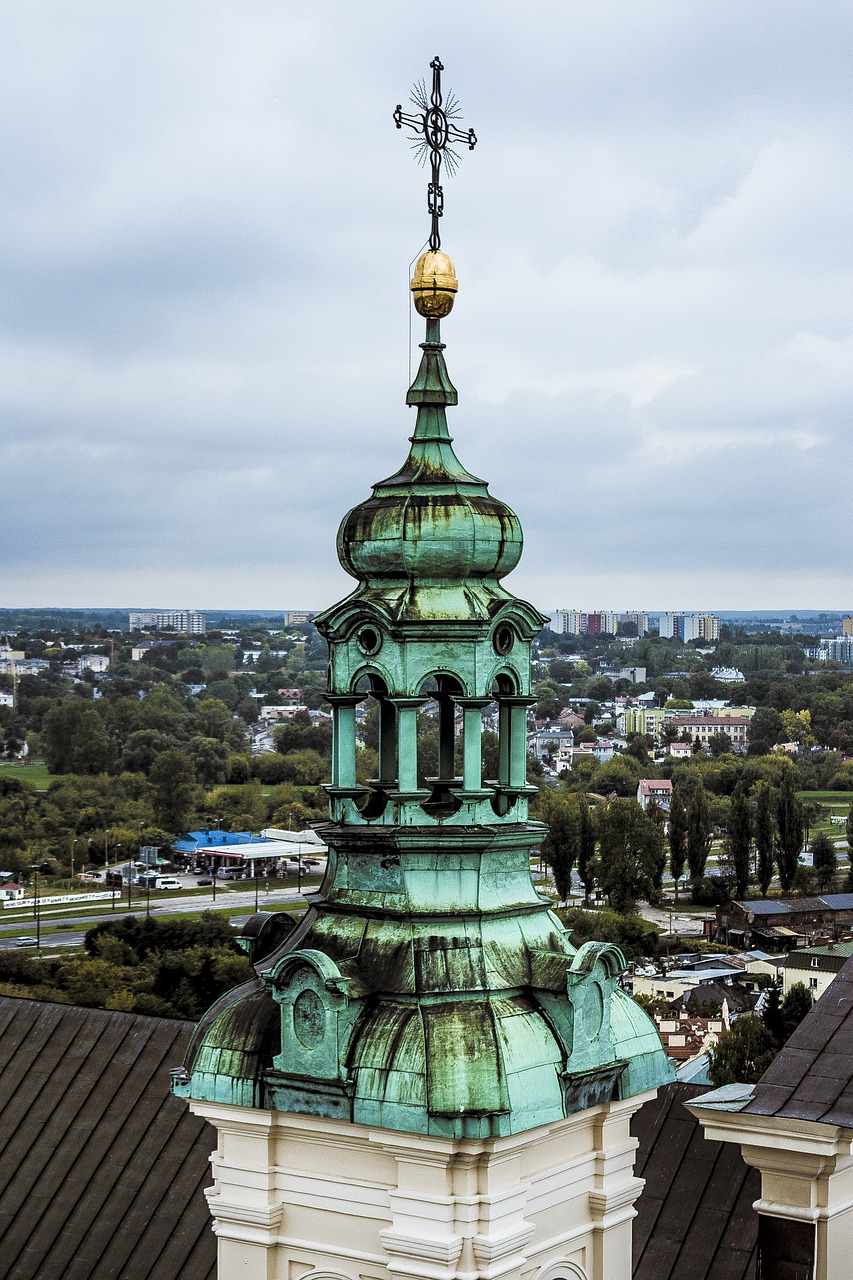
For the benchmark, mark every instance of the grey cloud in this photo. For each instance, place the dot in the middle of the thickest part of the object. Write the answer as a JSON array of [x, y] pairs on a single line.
[[205, 226]]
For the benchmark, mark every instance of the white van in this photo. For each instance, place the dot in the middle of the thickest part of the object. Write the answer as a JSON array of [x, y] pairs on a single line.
[[159, 882]]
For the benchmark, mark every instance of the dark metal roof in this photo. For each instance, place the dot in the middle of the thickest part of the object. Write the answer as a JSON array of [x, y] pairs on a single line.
[[101, 1170], [765, 907], [812, 1078], [695, 1219], [838, 901]]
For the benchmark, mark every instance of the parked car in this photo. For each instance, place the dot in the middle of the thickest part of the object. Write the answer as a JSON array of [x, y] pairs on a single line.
[[231, 873], [159, 882], [203, 881]]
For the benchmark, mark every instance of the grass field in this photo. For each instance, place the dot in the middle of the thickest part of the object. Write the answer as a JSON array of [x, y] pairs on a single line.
[[840, 800], [35, 774]]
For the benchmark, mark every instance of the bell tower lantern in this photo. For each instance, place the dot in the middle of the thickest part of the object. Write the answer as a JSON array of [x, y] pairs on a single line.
[[426, 1080]]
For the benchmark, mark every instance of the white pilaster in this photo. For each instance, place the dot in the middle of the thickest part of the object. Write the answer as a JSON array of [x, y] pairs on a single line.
[[297, 1195]]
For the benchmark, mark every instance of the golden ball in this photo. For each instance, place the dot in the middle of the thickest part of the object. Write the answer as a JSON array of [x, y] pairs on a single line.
[[434, 284]]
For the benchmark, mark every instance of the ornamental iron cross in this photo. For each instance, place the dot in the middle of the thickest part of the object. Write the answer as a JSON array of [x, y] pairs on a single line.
[[434, 131]]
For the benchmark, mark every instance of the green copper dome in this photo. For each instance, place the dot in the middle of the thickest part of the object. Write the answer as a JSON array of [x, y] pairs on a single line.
[[432, 520], [429, 988]]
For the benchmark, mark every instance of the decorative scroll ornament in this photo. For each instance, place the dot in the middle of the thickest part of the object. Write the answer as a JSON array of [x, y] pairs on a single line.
[[434, 131]]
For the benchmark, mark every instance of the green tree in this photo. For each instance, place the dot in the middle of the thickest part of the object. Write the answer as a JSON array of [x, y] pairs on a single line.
[[739, 839], [765, 726], [586, 842], [698, 831], [796, 1004], [631, 854], [174, 784], [765, 835], [719, 744], [677, 837], [561, 846], [142, 748], [210, 759], [743, 1053], [823, 860], [91, 749], [789, 831]]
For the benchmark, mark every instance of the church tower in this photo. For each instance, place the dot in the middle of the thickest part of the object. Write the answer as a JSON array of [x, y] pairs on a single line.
[[426, 1079]]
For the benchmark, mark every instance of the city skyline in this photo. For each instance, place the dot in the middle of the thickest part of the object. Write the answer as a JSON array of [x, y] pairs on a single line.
[[208, 217]]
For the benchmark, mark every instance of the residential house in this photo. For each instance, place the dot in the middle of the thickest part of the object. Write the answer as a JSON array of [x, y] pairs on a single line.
[[815, 967], [657, 789], [684, 1036]]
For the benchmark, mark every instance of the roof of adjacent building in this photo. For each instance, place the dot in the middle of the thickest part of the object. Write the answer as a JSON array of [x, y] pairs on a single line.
[[101, 1171], [688, 719], [695, 1219], [796, 906], [833, 955], [649, 785], [812, 1078]]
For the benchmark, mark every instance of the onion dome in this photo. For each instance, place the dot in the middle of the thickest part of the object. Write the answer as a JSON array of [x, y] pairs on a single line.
[[432, 520]]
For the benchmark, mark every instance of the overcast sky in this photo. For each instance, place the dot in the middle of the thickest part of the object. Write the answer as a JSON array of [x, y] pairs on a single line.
[[206, 224]]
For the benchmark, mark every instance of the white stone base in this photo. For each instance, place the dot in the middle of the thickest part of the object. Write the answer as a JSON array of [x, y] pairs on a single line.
[[296, 1196]]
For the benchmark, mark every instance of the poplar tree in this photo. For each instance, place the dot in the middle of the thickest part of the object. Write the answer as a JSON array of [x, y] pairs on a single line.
[[765, 829], [789, 831], [698, 831], [586, 842], [677, 837], [823, 860], [739, 839], [561, 845]]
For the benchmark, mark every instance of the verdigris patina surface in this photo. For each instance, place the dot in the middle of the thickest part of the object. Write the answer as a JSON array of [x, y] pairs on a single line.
[[429, 988]]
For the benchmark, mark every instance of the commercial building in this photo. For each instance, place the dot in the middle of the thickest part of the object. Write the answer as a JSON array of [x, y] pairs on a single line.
[[297, 617], [183, 620]]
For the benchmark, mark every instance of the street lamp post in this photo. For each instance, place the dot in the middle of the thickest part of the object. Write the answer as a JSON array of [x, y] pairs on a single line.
[[256, 886], [36, 904], [114, 877]]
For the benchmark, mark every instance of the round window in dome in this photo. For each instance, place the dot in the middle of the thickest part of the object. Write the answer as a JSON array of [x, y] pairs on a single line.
[[369, 640], [504, 639]]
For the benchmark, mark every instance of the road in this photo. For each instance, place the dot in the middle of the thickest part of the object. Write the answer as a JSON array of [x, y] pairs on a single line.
[[241, 901]]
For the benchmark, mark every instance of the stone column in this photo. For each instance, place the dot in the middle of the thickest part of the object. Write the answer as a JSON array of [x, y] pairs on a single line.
[[343, 738], [472, 745]]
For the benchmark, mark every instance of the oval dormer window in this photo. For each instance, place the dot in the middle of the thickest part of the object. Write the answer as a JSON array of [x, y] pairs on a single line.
[[369, 640], [504, 639]]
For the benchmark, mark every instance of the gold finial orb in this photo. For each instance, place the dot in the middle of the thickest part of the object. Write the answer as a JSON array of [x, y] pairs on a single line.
[[434, 284]]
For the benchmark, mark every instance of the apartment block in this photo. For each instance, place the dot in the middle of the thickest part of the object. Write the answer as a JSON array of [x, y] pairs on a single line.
[[186, 621], [689, 626]]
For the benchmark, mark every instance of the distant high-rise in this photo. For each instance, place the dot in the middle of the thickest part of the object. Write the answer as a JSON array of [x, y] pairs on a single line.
[[689, 626], [184, 620], [570, 622], [296, 617]]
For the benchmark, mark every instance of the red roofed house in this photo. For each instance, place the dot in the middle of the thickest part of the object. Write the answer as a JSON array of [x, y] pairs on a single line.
[[657, 789]]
